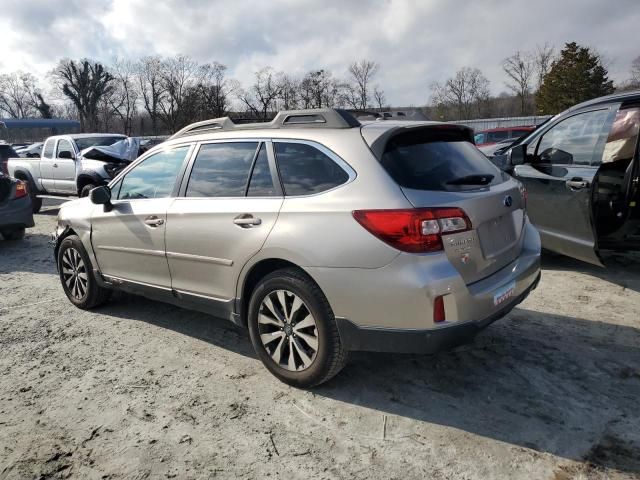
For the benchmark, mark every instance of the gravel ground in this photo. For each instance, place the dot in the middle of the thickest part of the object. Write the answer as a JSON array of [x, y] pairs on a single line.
[[137, 389]]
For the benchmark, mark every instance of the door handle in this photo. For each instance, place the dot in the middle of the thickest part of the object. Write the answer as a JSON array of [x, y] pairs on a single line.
[[154, 221], [55, 165], [577, 184], [247, 220]]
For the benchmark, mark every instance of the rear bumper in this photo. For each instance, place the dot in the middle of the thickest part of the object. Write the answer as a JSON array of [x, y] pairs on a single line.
[[376, 339], [17, 214]]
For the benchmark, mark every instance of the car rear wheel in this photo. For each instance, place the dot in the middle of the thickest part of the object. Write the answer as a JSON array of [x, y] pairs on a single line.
[[293, 329], [76, 275], [14, 234]]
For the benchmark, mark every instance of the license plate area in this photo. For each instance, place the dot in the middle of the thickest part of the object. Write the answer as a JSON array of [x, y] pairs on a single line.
[[497, 235], [504, 293]]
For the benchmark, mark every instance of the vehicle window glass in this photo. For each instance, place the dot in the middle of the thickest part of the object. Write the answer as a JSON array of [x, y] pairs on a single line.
[[519, 133], [261, 183], [221, 170], [48, 149], [64, 146], [479, 138], [497, 136], [623, 136], [154, 177], [305, 170], [437, 160], [573, 140], [86, 142]]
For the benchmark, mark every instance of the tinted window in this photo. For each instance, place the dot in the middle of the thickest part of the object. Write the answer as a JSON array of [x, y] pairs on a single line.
[[519, 133], [305, 170], [430, 160], [479, 138], [573, 140], [154, 177], [623, 136], [64, 146], [48, 149], [261, 183], [221, 170]]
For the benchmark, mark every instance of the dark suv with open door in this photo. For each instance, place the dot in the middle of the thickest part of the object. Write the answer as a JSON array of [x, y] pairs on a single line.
[[581, 173]]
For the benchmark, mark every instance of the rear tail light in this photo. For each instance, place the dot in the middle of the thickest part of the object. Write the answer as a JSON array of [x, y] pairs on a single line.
[[438, 309], [415, 230], [21, 189]]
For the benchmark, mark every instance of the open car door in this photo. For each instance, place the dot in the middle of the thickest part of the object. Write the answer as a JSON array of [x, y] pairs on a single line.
[[559, 178]]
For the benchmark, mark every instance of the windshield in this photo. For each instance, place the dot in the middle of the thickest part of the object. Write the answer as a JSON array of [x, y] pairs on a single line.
[[87, 142], [438, 161]]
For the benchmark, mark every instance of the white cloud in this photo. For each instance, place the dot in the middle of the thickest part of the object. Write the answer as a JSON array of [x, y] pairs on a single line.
[[415, 42]]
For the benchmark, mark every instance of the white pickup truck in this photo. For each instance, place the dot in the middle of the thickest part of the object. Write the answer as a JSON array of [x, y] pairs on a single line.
[[73, 164]]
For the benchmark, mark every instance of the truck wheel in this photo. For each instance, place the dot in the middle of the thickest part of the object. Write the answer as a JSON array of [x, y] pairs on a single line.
[[86, 189], [16, 234]]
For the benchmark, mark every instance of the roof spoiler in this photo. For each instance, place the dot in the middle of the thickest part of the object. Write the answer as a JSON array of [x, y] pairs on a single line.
[[312, 118]]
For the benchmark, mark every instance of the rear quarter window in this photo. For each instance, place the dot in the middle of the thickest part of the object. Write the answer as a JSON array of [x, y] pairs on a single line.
[[425, 160], [305, 170]]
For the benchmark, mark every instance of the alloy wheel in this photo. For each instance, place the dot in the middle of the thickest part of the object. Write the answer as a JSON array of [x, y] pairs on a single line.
[[74, 273], [288, 330]]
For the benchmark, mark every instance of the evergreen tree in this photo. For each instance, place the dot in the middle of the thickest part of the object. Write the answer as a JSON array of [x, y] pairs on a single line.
[[576, 76]]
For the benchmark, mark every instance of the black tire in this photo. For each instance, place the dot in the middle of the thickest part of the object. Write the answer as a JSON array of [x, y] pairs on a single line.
[[14, 234], [92, 295], [330, 357], [36, 204], [84, 192]]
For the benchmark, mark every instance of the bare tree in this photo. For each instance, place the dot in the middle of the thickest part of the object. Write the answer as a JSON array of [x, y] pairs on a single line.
[[543, 58], [318, 89], [379, 97], [124, 99], [468, 88], [261, 97], [85, 83], [149, 73], [519, 67], [362, 73], [18, 94], [180, 75]]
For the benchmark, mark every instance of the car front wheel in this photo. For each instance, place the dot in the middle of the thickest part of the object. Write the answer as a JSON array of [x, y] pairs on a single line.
[[76, 275], [293, 329]]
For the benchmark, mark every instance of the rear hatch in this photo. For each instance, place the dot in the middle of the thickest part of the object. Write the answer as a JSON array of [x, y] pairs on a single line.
[[439, 166], [6, 186]]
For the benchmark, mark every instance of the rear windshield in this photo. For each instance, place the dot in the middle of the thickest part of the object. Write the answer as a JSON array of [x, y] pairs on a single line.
[[427, 160]]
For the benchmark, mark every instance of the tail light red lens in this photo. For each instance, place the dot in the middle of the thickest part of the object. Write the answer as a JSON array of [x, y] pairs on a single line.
[[415, 230], [21, 189], [438, 310]]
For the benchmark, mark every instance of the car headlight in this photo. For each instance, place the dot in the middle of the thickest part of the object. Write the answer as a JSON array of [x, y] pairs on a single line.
[[112, 169]]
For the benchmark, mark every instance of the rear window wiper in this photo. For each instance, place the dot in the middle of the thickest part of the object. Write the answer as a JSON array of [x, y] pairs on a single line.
[[477, 179]]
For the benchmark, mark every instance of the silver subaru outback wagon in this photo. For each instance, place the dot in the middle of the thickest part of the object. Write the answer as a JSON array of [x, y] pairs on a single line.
[[319, 234]]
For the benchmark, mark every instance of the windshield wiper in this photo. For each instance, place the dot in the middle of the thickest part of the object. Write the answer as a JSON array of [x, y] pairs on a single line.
[[477, 179]]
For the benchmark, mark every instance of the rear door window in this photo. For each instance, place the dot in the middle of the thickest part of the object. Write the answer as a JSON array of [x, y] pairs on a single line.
[[221, 170], [437, 160], [261, 183], [623, 136], [305, 170]]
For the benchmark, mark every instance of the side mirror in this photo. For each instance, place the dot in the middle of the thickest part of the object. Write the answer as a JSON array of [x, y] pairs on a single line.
[[66, 154], [101, 196], [517, 155]]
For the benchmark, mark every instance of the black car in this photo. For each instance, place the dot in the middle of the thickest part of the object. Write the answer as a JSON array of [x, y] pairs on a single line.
[[581, 172], [15, 208], [6, 152]]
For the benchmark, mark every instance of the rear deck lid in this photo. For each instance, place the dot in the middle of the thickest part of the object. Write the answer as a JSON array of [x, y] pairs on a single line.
[[439, 166]]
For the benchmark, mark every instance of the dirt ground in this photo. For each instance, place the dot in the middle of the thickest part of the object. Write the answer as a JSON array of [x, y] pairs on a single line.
[[138, 389]]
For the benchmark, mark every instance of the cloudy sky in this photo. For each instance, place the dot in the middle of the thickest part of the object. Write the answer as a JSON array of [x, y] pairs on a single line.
[[415, 42]]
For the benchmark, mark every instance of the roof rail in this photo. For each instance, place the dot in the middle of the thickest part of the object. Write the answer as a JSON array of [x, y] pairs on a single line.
[[312, 118]]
